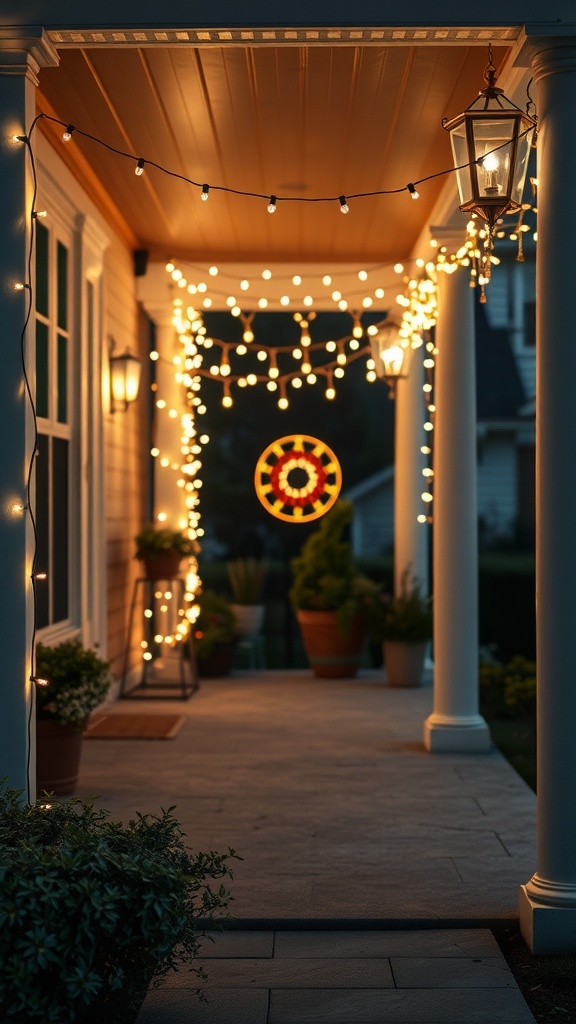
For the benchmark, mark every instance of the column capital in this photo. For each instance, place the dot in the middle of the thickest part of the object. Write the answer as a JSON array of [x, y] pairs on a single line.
[[23, 51], [546, 49]]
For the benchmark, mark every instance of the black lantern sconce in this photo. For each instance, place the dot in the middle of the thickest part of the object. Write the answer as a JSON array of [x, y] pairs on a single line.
[[124, 379]]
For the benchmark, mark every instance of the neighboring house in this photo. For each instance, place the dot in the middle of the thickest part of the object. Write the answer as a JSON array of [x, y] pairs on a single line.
[[505, 385]]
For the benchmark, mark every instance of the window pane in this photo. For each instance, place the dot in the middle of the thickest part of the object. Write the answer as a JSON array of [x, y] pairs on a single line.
[[62, 379], [59, 569], [62, 286], [41, 268], [41, 369], [42, 530]]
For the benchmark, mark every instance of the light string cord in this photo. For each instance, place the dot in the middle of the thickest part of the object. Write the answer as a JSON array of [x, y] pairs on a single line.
[[27, 141], [141, 163]]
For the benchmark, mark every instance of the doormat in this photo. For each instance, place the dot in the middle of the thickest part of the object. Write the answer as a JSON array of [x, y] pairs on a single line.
[[134, 727]]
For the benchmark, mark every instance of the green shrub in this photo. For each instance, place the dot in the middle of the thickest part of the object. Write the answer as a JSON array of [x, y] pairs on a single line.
[[215, 625], [407, 617], [508, 690], [92, 911]]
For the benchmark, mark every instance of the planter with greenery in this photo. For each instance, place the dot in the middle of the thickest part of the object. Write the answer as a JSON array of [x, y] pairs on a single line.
[[162, 551], [92, 911], [332, 600], [77, 682], [404, 625], [247, 576], [215, 635]]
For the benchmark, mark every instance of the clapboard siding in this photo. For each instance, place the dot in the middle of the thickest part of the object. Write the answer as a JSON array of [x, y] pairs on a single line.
[[373, 523], [497, 485]]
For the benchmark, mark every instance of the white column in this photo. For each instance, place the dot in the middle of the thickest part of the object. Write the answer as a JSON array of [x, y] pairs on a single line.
[[20, 60], [410, 536], [455, 724], [169, 499], [548, 900]]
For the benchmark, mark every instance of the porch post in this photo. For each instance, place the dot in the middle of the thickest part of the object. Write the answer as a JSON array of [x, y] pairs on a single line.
[[548, 900], [455, 726], [20, 61], [410, 536]]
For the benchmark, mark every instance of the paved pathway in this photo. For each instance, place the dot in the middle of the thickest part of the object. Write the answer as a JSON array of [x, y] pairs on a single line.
[[345, 825]]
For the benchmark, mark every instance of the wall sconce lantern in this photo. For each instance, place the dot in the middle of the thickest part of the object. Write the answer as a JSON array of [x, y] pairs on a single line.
[[491, 143], [390, 356], [124, 379]]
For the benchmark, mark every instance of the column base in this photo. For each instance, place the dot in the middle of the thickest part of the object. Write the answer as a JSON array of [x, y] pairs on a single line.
[[457, 735], [546, 929]]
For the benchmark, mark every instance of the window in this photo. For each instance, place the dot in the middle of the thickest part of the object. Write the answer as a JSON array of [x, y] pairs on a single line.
[[54, 410], [529, 324]]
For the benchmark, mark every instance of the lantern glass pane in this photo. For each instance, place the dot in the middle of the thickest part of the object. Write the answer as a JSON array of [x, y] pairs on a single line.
[[460, 155], [492, 145], [521, 167], [132, 379], [393, 359]]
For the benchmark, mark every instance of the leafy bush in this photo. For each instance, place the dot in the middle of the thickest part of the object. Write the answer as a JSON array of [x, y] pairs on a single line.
[[78, 682], [92, 911], [215, 625], [508, 690]]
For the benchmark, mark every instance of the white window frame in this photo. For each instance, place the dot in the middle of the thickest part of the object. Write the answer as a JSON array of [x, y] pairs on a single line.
[[86, 244]]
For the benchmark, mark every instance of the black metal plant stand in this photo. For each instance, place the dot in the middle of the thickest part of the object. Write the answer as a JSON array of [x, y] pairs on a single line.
[[187, 683]]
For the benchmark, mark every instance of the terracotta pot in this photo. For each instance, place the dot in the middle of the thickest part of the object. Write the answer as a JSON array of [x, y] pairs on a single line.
[[332, 652], [164, 565], [249, 619], [404, 661], [58, 752]]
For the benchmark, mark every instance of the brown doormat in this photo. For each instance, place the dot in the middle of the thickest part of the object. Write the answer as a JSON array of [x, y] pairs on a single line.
[[134, 727]]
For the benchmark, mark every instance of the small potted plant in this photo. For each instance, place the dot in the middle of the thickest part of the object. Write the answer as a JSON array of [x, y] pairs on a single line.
[[247, 577], [404, 625], [162, 551], [331, 598], [214, 635], [72, 682], [93, 911]]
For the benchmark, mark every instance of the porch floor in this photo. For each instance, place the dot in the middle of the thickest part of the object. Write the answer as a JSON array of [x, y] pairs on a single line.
[[372, 870]]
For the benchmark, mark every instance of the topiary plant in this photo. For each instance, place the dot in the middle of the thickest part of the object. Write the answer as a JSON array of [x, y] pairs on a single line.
[[325, 576], [92, 911]]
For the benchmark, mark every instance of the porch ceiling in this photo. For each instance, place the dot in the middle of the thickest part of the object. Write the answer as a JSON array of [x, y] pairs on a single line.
[[300, 121]]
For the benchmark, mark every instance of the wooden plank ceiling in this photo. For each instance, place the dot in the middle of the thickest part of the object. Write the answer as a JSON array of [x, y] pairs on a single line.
[[289, 120]]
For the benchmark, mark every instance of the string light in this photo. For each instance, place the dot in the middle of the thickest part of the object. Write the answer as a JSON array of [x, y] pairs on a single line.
[[139, 170], [272, 204], [204, 192], [344, 208], [67, 133], [414, 194]]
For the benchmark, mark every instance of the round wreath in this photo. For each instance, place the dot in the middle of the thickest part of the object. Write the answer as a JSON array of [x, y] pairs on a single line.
[[288, 499]]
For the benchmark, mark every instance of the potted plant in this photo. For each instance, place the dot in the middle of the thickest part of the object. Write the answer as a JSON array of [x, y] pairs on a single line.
[[162, 550], [404, 625], [331, 598], [214, 635], [93, 911], [247, 577], [77, 681]]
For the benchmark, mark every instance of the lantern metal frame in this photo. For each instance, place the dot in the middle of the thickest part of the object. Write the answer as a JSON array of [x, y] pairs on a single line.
[[493, 105], [388, 337], [119, 369]]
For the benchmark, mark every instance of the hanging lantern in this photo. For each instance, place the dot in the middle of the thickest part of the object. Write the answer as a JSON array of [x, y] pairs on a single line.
[[124, 380], [390, 356], [490, 146]]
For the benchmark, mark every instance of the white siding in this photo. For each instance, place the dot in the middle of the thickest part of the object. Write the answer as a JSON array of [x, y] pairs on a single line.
[[373, 523], [497, 484]]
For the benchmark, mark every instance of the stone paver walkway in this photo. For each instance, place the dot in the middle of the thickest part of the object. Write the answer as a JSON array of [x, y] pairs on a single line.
[[347, 826]]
